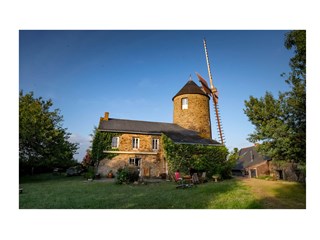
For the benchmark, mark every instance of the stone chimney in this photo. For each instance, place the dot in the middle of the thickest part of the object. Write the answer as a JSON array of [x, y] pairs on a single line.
[[105, 118]]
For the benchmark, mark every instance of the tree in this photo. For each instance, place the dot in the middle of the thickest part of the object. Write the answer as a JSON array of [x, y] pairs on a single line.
[[280, 123], [43, 142], [87, 160]]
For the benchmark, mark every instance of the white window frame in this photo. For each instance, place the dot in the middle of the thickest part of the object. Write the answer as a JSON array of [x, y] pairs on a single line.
[[135, 143], [155, 144], [117, 142], [184, 103]]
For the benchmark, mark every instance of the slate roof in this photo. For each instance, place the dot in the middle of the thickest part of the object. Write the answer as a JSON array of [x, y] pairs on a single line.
[[190, 88], [176, 133], [249, 157]]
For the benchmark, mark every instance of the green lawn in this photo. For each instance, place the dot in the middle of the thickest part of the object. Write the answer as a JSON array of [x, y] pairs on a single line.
[[60, 192]]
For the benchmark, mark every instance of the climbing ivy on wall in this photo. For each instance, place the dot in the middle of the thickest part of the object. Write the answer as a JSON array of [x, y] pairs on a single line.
[[211, 159], [102, 142]]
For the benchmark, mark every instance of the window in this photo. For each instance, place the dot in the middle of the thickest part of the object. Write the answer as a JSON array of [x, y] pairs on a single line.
[[251, 156], [135, 143], [155, 144], [115, 142], [135, 161], [184, 103]]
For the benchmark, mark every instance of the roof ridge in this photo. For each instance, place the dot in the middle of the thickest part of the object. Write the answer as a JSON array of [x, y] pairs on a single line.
[[247, 147], [138, 120]]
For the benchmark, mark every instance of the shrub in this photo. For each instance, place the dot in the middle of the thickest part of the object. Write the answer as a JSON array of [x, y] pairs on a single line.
[[265, 177], [127, 174], [90, 173]]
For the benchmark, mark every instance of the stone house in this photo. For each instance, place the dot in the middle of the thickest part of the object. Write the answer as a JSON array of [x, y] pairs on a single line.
[[251, 163], [139, 143]]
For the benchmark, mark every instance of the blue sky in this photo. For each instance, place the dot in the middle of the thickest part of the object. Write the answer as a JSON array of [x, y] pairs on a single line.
[[134, 74]]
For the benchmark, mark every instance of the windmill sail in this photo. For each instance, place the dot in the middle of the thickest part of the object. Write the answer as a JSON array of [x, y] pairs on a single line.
[[213, 93], [204, 84]]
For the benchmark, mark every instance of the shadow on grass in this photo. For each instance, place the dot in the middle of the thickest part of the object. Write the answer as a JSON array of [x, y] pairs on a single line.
[[286, 195], [229, 194], [44, 177]]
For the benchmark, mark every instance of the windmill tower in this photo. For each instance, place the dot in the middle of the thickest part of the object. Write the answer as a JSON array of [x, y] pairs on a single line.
[[191, 109], [213, 92]]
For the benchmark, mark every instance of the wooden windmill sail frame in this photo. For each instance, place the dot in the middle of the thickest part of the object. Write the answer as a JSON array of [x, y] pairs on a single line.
[[212, 91]]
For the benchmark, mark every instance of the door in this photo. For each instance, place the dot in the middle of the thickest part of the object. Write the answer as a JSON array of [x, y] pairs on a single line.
[[253, 173]]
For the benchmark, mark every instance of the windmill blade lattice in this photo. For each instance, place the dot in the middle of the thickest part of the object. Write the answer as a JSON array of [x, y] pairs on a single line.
[[214, 96]]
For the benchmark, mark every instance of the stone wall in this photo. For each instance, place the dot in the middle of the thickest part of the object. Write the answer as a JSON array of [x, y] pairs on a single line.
[[286, 171], [262, 169], [152, 162], [196, 117]]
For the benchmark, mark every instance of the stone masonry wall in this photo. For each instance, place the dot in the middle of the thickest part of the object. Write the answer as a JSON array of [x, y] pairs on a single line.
[[262, 169], [151, 164], [196, 117]]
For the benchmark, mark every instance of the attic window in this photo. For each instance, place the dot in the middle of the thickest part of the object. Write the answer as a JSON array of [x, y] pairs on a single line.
[[184, 103], [251, 156]]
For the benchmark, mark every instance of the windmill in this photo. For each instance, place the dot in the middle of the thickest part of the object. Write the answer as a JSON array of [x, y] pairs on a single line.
[[213, 92]]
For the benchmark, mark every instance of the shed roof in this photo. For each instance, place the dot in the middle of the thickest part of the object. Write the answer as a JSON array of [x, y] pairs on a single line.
[[248, 157], [190, 88], [176, 133]]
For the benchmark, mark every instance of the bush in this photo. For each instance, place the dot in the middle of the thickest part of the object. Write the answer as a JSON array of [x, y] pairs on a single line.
[[127, 174], [265, 177], [90, 173]]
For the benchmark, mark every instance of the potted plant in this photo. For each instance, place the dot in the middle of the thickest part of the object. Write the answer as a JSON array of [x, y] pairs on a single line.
[[110, 174]]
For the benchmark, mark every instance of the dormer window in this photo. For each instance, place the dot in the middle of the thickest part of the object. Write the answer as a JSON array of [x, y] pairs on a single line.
[[184, 103]]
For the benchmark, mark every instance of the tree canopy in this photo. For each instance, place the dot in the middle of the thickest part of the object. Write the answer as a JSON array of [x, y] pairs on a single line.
[[43, 142], [280, 123]]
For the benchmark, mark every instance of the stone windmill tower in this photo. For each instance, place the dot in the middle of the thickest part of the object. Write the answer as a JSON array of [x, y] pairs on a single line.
[[191, 109]]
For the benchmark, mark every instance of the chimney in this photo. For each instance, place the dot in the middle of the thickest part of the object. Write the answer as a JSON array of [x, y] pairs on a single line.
[[106, 116]]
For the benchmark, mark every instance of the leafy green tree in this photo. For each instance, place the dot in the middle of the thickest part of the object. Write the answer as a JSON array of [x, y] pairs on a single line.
[[43, 142], [280, 123]]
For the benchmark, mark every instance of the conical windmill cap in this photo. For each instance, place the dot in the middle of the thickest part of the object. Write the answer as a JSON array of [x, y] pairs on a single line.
[[190, 88]]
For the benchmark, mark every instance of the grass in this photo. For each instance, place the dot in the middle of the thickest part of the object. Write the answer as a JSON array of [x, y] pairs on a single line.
[[60, 192], [279, 194]]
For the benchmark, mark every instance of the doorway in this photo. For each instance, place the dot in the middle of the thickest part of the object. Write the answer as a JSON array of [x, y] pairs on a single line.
[[253, 173], [280, 174]]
